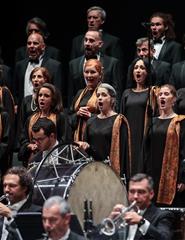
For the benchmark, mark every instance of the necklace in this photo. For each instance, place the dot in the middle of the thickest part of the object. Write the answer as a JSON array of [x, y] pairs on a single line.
[[33, 104]]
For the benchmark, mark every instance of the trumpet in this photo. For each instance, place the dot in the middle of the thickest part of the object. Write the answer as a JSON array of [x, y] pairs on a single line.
[[109, 226], [5, 196]]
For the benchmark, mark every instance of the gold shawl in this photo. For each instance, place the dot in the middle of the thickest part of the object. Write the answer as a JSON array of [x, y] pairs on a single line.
[[35, 117], [115, 143], [91, 104], [151, 103], [170, 166]]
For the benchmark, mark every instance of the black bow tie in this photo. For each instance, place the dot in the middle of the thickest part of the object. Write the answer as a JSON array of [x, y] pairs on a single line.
[[36, 61], [91, 57], [160, 41]]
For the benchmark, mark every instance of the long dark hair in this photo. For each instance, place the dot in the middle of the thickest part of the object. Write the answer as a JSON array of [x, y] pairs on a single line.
[[151, 76]]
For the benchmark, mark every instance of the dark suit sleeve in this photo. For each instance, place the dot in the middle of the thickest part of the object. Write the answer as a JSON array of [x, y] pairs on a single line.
[[162, 227]]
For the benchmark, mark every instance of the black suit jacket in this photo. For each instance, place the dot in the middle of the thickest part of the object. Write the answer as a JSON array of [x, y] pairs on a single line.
[[177, 77], [72, 236], [7, 76], [54, 67], [27, 207], [171, 52], [112, 75]]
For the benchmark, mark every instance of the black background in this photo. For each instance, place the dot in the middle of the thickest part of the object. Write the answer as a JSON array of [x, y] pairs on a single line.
[[66, 19]]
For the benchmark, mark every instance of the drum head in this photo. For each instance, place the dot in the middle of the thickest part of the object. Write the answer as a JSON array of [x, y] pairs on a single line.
[[98, 183]]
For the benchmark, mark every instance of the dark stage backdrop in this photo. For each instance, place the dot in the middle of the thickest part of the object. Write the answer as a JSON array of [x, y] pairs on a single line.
[[66, 20]]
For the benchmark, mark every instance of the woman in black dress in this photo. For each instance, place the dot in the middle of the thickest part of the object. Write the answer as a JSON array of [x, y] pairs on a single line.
[[49, 104], [137, 107], [164, 150], [107, 135], [84, 103]]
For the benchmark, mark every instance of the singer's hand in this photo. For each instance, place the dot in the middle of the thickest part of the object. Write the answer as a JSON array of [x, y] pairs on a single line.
[[5, 211]]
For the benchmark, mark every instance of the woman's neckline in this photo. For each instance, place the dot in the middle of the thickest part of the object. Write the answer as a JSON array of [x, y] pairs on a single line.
[[106, 116], [139, 90], [171, 115]]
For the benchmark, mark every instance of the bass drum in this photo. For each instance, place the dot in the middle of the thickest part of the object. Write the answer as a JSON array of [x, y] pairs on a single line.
[[92, 181]]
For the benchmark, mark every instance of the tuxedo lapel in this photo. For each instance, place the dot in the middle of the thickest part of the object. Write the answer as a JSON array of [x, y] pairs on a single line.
[[163, 50]]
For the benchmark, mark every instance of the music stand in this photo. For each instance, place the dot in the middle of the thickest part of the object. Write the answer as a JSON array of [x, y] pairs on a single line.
[[29, 225]]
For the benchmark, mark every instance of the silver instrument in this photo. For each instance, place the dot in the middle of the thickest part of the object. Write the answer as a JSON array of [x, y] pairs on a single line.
[[109, 226], [5, 197]]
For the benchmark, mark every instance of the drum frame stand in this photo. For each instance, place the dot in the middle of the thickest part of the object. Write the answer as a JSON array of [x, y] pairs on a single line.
[[70, 150]]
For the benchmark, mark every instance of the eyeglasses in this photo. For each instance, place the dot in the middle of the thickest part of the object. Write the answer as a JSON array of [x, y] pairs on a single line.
[[39, 139]]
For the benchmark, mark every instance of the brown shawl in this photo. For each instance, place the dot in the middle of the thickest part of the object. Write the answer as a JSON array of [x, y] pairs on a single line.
[[1, 127], [170, 166], [91, 104], [115, 143], [35, 117]]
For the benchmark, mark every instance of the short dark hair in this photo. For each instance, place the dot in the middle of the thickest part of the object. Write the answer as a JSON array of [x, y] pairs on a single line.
[[56, 104], [98, 8], [141, 176], [40, 24], [25, 178], [46, 124]]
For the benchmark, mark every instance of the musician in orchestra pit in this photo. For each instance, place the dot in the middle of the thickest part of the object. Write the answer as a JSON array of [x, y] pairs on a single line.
[[56, 216], [148, 221], [17, 184], [44, 135]]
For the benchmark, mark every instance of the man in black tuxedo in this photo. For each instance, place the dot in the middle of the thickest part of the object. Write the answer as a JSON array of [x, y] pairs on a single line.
[[56, 217], [36, 57], [112, 69], [162, 69], [18, 186], [37, 25], [96, 17], [145, 221], [163, 34]]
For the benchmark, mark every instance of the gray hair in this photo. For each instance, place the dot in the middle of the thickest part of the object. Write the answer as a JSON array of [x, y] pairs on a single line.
[[138, 177], [140, 41], [110, 89], [111, 92], [64, 206], [100, 9]]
